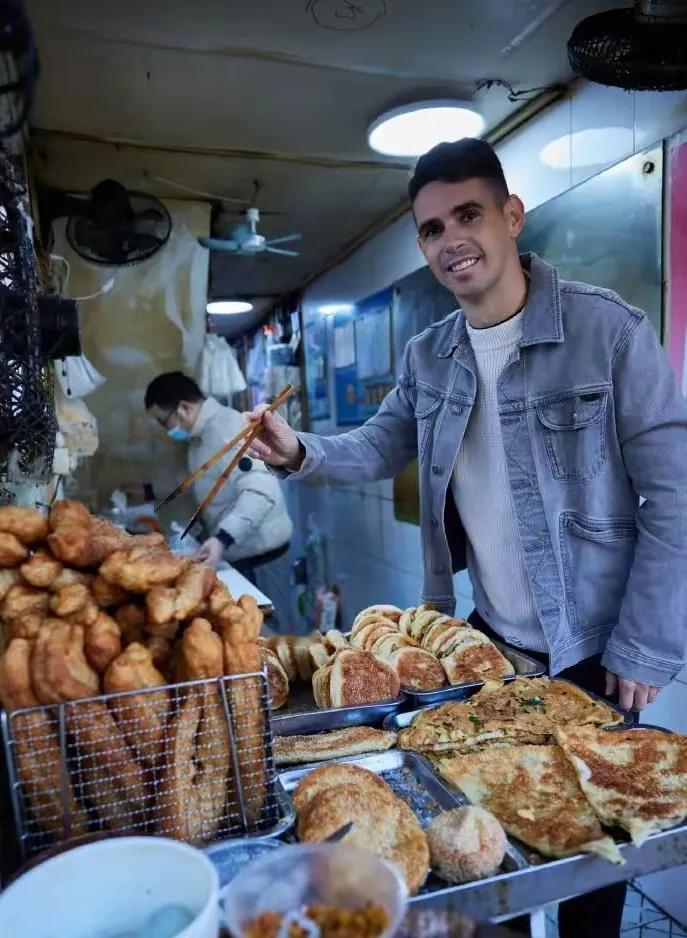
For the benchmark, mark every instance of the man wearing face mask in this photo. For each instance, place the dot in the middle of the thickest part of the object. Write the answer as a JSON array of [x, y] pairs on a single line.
[[247, 523]]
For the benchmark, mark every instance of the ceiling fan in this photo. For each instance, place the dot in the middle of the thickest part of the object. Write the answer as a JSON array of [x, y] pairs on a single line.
[[246, 240]]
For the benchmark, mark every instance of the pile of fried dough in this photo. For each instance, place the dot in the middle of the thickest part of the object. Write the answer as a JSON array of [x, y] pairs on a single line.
[[554, 766], [87, 610]]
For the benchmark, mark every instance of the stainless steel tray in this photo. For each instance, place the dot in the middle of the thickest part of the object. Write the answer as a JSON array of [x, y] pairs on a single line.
[[414, 780], [300, 715], [527, 882], [523, 664]]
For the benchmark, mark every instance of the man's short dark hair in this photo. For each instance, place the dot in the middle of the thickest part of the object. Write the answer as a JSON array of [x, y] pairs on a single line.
[[169, 390], [457, 162]]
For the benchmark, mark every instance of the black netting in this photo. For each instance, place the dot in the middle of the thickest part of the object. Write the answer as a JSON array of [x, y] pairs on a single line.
[[616, 48], [27, 411]]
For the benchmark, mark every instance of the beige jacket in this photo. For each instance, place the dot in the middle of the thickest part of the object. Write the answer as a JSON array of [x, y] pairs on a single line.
[[250, 506]]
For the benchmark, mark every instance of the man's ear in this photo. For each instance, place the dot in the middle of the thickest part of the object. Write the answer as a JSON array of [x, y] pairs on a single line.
[[515, 215], [185, 410]]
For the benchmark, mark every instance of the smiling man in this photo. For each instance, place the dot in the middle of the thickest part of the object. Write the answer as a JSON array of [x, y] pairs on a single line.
[[552, 447]]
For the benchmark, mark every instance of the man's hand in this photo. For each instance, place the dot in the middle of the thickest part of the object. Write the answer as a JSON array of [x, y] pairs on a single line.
[[211, 552], [277, 444], [631, 695]]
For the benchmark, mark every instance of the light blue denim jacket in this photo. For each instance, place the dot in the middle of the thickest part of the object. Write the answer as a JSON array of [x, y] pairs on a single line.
[[592, 421]]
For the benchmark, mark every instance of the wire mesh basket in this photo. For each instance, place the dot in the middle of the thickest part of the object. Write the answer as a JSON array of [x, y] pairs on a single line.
[[191, 761]]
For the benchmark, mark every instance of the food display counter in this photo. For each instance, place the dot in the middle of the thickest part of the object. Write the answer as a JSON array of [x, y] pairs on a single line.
[[140, 699]]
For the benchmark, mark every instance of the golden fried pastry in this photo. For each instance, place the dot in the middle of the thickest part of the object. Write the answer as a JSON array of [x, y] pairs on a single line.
[[140, 569], [417, 668], [109, 594], [161, 650], [219, 597], [59, 669], [26, 524], [214, 780], [241, 622], [161, 605], [323, 747], [79, 539], [36, 750], [15, 676], [107, 537], [102, 642], [21, 601], [69, 577], [199, 653], [71, 599], [131, 619], [112, 779], [248, 718], [141, 717], [69, 511], [8, 579], [25, 626], [70, 543], [192, 589], [12, 551], [318, 656], [177, 806], [242, 659], [41, 569]]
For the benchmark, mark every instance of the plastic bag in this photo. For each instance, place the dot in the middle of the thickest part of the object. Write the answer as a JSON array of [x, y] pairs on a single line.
[[219, 374]]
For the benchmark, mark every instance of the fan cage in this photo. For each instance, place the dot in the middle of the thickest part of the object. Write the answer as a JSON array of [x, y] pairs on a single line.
[[614, 48]]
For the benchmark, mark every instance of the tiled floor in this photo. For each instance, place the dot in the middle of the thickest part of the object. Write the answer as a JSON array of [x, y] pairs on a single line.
[[641, 920]]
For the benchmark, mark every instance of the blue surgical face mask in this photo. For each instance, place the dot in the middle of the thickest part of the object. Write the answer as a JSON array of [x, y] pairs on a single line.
[[179, 435]]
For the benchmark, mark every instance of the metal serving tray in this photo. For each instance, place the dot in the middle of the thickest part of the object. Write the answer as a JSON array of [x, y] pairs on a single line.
[[414, 780], [523, 664], [300, 715]]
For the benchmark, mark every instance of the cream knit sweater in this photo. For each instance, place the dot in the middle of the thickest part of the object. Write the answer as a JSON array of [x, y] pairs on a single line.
[[482, 493]]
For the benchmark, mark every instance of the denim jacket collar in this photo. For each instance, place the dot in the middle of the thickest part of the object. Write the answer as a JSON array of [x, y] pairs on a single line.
[[543, 321]]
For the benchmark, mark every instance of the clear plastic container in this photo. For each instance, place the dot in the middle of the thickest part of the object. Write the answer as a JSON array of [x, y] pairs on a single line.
[[331, 874]]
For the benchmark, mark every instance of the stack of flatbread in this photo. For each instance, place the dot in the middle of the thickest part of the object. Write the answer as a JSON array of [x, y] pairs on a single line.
[[540, 755], [332, 796], [427, 648]]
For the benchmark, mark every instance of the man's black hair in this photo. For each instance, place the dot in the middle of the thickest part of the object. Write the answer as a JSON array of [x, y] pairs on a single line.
[[457, 162], [169, 390]]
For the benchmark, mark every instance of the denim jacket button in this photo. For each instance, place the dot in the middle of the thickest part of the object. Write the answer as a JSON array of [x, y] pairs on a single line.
[[437, 470], [456, 409]]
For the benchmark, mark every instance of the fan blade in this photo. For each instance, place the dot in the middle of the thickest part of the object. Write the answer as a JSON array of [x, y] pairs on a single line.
[[285, 239], [218, 244], [282, 251]]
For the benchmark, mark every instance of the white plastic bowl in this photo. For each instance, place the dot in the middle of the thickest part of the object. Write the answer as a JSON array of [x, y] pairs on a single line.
[[112, 887], [332, 874]]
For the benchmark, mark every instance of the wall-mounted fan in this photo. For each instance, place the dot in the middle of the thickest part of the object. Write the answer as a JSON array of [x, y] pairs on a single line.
[[640, 49], [111, 226], [246, 240]]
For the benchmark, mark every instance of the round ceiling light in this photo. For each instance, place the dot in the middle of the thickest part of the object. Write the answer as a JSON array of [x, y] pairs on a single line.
[[414, 129], [227, 307]]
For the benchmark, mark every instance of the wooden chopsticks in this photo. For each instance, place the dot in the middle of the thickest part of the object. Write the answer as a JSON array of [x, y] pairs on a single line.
[[248, 434]]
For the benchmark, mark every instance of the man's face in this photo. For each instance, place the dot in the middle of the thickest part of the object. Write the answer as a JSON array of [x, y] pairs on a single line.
[[467, 234], [182, 416]]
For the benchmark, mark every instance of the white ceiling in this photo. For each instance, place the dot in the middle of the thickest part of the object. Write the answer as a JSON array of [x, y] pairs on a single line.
[[214, 94]]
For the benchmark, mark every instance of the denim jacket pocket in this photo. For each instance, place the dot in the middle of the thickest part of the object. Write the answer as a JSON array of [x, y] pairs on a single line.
[[574, 434], [427, 404], [597, 555]]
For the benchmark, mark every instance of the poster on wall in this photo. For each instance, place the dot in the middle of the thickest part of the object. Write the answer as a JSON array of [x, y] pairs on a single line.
[[677, 341], [315, 333], [363, 358]]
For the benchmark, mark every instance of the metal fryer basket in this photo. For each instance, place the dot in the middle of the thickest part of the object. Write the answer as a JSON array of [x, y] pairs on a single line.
[[191, 761]]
